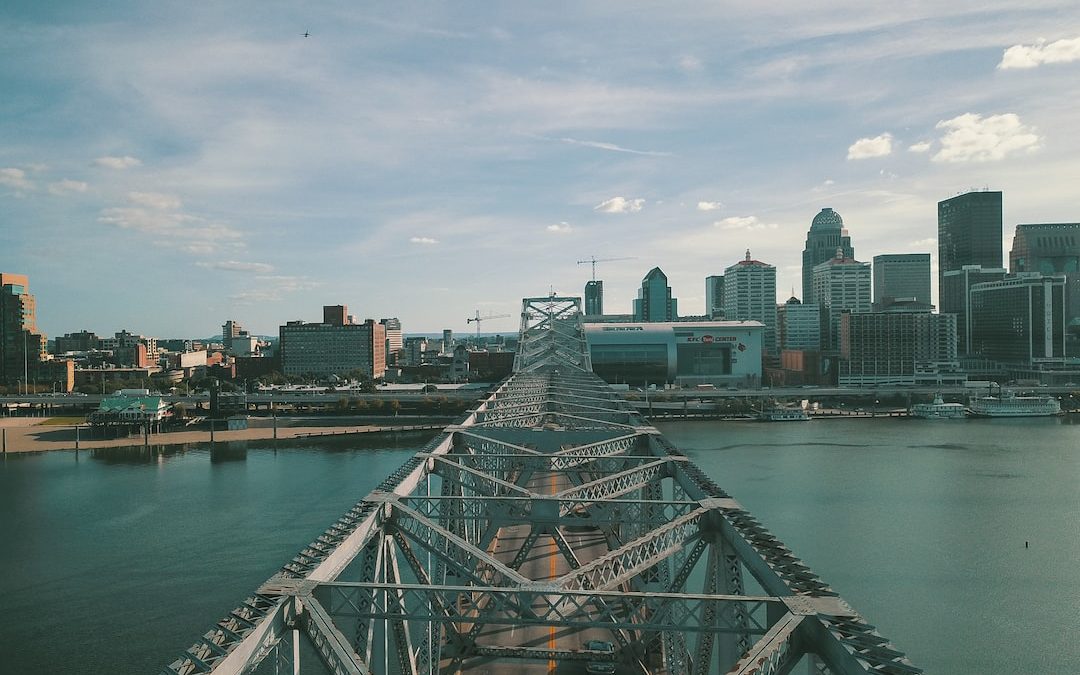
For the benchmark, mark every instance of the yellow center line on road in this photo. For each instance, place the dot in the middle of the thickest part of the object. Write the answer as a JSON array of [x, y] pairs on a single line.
[[551, 574]]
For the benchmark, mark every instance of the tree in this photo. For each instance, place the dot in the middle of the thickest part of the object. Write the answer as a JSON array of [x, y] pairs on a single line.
[[395, 406]]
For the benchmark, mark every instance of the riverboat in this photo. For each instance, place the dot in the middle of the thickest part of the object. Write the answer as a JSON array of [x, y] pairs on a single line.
[[938, 410], [1011, 405], [783, 415]]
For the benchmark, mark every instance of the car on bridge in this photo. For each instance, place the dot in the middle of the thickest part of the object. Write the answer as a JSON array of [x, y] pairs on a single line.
[[605, 667]]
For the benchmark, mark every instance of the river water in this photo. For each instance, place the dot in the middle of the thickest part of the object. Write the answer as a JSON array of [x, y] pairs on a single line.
[[113, 561]]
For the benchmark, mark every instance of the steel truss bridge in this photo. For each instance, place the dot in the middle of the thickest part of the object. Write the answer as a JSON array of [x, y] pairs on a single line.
[[552, 530]]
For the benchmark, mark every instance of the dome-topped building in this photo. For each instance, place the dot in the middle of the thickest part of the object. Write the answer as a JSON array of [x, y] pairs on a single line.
[[827, 220], [826, 235]]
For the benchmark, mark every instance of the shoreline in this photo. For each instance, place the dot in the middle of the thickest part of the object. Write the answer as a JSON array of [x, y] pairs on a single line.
[[33, 434]]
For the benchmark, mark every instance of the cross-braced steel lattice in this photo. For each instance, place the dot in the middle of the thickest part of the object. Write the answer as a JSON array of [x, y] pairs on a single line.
[[553, 525]]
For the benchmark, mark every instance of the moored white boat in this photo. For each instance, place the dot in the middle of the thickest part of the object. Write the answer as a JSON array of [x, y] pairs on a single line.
[[938, 410], [1010, 405]]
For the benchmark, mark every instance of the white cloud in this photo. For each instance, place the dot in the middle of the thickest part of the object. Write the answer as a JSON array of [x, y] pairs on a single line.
[[865, 148], [930, 243], [155, 200], [620, 205], [427, 241], [66, 186], [614, 148], [709, 206], [15, 178], [690, 64], [920, 147], [119, 163], [744, 223], [159, 215], [1042, 52], [272, 288], [560, 228], [972, 138], [236, 266]]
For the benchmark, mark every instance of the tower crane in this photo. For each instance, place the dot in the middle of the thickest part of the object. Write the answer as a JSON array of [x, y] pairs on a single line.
[[593, 260], [479, 318]]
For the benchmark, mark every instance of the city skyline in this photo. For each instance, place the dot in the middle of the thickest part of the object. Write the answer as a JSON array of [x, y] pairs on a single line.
[[167, 169]]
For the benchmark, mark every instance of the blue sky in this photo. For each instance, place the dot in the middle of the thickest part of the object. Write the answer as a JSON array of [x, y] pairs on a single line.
[[166, 166]]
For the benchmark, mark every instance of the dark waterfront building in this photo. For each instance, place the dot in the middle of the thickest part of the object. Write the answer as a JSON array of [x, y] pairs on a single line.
[[901, 276], [827, 233], [1053, 248], [654, 301], [898, 347], [594, 297], [1019, 320], [955, 293], [714, 296], [323, 349], [686, 352], [83, 341], [969, 233]]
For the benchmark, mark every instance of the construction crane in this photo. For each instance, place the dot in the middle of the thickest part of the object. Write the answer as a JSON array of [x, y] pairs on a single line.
[[593, 260], [479, 318]]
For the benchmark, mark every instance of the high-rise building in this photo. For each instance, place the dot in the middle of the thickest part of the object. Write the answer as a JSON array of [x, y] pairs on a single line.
[[594, 297], [955, 293], [322, 349], [826, 234], [898, 347], [447, 341], [714, 296], [841, 284], [798, 325], [394, 337], [750, 295], [1019, 320], [24, 357], [83, 341], [901, 276], [969, 233], [22, 347], [231, 329], [1052, 248], [654, 301], [335, 315]]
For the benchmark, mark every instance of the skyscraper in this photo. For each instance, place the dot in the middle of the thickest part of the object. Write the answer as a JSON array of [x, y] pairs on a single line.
[[714, 296], [394, 341], [750, 295], [22, 348], [901, 275], [654, 301], [798, 326], [1052, 248], [841, 284], [955, 293], [1019, 320], [827, 233], [969, 233], [594, 297]]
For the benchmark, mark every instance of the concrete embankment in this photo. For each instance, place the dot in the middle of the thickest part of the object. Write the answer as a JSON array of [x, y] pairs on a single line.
[[36, 434]]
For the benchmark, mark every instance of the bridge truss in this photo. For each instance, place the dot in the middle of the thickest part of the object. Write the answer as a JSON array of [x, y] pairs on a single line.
[[552, 526]]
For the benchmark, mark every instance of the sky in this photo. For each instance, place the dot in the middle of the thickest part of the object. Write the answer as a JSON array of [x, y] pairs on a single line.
[[167, 166]]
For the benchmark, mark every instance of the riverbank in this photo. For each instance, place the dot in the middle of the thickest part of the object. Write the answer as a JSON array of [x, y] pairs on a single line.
[[36, 434]]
